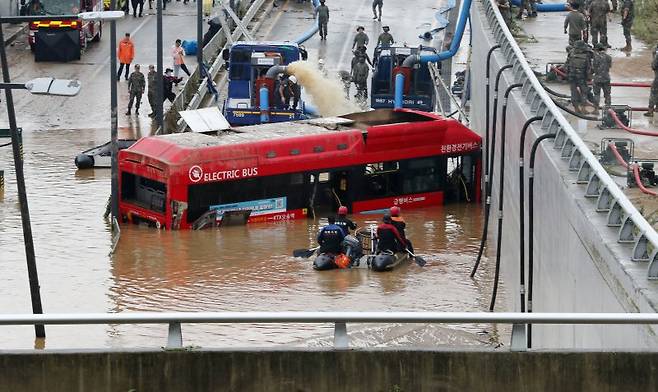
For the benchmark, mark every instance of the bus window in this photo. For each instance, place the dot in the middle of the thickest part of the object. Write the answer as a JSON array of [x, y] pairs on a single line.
[[143, 192], [423, 175], [381, 179]]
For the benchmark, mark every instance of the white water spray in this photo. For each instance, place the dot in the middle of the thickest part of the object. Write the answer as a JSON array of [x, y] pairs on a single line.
[[328, 93]]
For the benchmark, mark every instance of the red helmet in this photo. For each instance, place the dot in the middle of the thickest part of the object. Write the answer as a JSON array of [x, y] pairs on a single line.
[[395, 211], [342, 210]]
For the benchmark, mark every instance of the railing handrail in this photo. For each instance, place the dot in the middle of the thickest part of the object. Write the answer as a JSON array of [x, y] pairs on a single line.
[[638, 220], [326, 317]]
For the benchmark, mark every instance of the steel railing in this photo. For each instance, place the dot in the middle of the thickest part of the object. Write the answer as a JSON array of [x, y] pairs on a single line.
[[621, 213], [339, 319]]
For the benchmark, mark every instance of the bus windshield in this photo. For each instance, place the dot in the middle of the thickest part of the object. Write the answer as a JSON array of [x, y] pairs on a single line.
[[53, 7]]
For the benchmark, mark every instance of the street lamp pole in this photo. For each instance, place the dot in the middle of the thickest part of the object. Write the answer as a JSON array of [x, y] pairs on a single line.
[[114, 199], [159, 111], [199, 37], [16, 144]]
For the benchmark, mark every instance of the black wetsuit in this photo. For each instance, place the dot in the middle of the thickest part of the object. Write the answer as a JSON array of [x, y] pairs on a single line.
[[388, 238], [346, 224], [330, 239]]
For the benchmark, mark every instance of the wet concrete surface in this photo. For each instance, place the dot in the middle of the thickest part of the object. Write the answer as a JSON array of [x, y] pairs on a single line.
[[231, 269], [548, 43]]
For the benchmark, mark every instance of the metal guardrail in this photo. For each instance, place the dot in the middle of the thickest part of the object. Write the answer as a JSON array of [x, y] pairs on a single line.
[[194, 91], [621, 213], [339, 319]]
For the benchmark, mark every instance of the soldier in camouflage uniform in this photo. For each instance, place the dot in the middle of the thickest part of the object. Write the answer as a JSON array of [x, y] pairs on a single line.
[[627, 16], [575, 22], [579, 66], [152, 80], [136, 84], [506, 11], [531, 9], [598, 15], [653, 98], [601, 79]]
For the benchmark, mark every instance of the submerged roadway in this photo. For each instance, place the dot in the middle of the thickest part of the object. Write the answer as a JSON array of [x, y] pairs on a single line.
[[236, 268]]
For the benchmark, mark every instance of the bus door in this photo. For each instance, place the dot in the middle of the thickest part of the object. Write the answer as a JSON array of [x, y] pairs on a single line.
[[328, 190]]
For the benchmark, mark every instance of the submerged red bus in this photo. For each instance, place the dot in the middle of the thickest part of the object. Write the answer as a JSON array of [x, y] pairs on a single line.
[[279, 171]]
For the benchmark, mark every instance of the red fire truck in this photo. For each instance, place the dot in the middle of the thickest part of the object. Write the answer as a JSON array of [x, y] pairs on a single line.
[[280, 171], [61, 39]]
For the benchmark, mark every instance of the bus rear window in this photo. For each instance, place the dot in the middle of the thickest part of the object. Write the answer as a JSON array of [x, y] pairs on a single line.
[[143, 192]]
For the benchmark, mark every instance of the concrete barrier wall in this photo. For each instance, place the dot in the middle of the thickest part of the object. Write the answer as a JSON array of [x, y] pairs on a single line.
[[579, 267], [319, 371]]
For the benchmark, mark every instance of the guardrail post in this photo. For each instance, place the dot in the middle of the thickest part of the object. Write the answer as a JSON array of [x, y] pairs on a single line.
[[175, 337], [341, 340], [518, 341]]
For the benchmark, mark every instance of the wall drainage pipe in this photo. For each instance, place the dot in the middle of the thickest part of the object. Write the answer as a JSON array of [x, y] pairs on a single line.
[[501, 188], [531, 213], [487, 190], [522, 286]]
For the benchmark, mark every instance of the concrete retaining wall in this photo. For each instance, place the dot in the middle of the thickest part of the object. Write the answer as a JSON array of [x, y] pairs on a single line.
[[579, 267], [320, 371]]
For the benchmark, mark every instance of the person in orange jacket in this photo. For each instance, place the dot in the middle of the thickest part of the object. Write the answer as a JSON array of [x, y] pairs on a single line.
[[400, 224], [126, 54]]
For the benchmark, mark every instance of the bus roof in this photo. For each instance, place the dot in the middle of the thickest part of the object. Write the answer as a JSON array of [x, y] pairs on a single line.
[[376, 130]]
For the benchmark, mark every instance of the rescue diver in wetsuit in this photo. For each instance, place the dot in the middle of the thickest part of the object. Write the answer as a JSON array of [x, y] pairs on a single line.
[[388, 236], [331, 237], [400, 224], [343, 221]]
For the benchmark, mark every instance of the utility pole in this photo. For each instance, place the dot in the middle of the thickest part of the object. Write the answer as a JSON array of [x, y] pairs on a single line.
[[17, 148]]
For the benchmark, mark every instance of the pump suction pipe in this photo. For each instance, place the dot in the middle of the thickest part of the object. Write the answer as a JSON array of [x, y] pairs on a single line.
[[522, 211], [486, 115], [487, 206], [410, 61], [501, 177], [310, 32], [531, 213]]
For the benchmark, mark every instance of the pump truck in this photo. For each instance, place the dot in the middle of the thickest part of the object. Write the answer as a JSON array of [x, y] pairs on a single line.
[[418, 86], [255, 72], [61, 39]]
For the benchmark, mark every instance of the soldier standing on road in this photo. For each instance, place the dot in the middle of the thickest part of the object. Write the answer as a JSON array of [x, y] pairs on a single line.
[[601, 65], [322, 13], [627, 16], [358, 54], [531, 9], [140, 4], [575, 22], [653, 98], [377, 4], [506, 11], [126, 55], [136, 85], [385, 39], [152, 94], [598, 15], [579, 66], [361, 38], [360, 78]]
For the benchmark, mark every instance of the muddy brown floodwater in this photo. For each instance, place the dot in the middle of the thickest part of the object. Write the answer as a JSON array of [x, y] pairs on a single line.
[[246, 268]]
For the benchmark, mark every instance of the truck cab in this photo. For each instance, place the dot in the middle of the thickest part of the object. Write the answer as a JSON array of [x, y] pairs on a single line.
[[418, 87], [61, 39], [248, 63]]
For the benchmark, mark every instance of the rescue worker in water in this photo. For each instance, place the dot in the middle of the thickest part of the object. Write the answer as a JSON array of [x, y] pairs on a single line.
[[331, 237], [400, 224], [343, 221], [388, 237]]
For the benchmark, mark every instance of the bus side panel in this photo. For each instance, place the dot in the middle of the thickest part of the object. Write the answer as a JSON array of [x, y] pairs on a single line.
[[409, 201]]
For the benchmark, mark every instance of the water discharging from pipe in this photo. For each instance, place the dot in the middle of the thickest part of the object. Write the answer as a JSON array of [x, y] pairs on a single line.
[[328, 93]]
